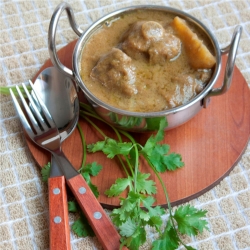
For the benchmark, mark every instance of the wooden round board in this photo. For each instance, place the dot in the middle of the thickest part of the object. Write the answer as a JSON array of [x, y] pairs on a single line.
[[210, 144]]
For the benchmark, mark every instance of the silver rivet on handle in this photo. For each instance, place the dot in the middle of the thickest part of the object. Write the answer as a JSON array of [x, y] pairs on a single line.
[[82, 190], [57, 219], [56, 191], [97, 215]]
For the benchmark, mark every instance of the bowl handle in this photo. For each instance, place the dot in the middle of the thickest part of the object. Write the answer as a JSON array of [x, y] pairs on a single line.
[[231, 49], [52, 35]]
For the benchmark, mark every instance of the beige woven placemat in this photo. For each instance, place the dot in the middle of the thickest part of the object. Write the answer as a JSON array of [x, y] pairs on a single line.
[[23, 196]]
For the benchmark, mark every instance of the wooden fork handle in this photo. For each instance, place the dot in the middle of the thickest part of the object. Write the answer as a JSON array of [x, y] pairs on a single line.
[[58, 213], [99, 221]]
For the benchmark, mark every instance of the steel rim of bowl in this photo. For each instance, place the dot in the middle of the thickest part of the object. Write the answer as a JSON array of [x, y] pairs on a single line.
[[83, 39]]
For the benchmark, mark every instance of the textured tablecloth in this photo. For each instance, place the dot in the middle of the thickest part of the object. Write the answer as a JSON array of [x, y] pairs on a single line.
[[23, 195]]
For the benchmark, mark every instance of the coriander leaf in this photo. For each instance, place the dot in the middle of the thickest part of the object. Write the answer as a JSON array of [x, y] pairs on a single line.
[[154, 139], [161, 132], [157, 155], [153, 123], [155, 221], [132, 156], [137, 239], [161, 149], [173, 161], [129, 122], [113, 148], [134, 197], [73, 206], [113, 117], [119, 216], [94, 168], [169, 240], [91, 169], [128, 228], [128, 208], [86, 176], [158, 210], [127, 204], [94, 189], [143, 185], [120, 185], [153, 211], [148, 201], [144, 215], [163, 161], [190, 220], [45, 172], [98, 146], [149, 146], [82, 228]]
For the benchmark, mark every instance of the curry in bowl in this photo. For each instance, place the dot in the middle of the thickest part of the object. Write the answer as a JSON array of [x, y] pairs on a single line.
[[147, 61]]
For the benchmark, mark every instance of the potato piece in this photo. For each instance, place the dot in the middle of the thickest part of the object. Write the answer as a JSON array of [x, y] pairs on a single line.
[[199, 56]]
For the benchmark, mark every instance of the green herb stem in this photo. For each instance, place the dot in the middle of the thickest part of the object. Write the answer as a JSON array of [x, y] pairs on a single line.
[[123, 166], [136, 155], [83, 145], [130, 137], [6, 90], [163, 186], [164, 190], [95, 126], [168, 200], [87, 107], [94, 115]]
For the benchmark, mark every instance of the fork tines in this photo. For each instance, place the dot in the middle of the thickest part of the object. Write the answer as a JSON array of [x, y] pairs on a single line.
[[37, 121]]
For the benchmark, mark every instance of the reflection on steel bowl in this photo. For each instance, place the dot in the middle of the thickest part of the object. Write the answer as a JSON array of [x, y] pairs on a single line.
[[142, 63]]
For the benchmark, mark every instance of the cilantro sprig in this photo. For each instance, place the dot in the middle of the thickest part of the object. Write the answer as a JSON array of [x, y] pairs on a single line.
[[137, 209]]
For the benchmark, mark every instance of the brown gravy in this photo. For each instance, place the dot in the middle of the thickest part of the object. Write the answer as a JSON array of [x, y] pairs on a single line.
[[158, 86]]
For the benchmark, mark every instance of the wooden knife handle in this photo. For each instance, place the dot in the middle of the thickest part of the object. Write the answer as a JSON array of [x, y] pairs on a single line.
[[98, 219], [58, 213]]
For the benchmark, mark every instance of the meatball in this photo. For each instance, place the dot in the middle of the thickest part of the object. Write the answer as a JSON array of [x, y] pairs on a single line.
[[152, 31], [183, 88], [166, 49], [149, 40], [135, 44], [115, 71]]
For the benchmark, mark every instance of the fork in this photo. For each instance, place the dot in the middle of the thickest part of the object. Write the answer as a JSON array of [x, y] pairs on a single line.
[[43, 131], [58, 207]]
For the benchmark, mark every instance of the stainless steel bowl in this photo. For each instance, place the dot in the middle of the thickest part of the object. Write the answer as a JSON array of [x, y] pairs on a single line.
[[137, 121]]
